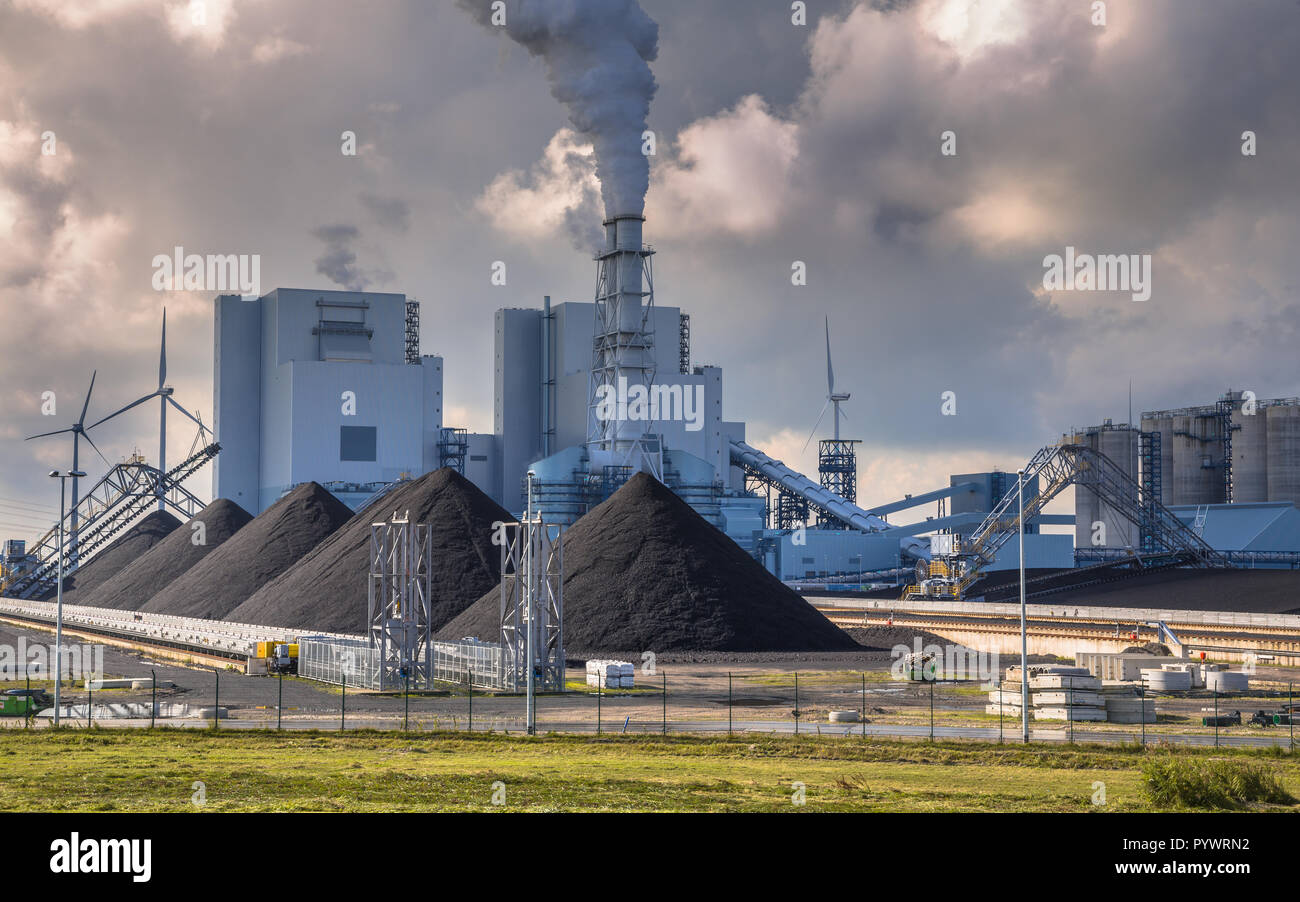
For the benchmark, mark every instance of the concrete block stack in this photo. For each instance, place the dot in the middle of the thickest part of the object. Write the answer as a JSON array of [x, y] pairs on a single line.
[[1124, 704], [1055, 693], [1118, 666]]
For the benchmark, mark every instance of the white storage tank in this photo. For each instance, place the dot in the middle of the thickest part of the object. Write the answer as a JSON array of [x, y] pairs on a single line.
[[1197, 476], [1250, 455], [1120, 445]]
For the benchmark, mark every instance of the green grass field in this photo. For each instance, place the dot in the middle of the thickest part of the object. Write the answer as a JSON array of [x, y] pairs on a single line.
[[139, 770]]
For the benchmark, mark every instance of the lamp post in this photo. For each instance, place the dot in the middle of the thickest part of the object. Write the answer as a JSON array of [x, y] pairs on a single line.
[[58, 616], [1024, 640]]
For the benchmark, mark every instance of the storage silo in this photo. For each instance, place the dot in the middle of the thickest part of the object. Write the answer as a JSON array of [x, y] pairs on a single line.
[[1284, 452], [1120, 444], [1249, 455], [1197, 473]]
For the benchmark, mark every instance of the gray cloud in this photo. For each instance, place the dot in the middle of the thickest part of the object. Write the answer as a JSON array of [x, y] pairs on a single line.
[[390, 212], [1125, 139]]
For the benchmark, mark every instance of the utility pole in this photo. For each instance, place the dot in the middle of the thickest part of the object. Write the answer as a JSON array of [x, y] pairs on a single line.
[[530, 717], [58, 616], [1024, 637]]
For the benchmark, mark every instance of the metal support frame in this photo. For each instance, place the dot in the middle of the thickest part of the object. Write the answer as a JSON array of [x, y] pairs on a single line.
[[412, 334], [532, 605], [1149, 488], [837, 469], [1223, 408], [398, 605], [453, 446], [684, 345], [623, 353], [122, 495], [791, 511]]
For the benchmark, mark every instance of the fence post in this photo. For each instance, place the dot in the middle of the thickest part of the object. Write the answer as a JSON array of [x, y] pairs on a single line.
[[600, 687], [665, 730], [1216, 718], [153, 701], [1069, 710], [28, 675], [406, 715], [343, 707], [728, 702], [216, 708], [1000, 712], [469, 681], [1290, 713], [796, 703], [279, 704], [90, 698], [1142, 708], [932, 710]]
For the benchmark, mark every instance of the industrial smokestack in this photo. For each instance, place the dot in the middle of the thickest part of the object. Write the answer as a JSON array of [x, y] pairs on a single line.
[[597, 55]]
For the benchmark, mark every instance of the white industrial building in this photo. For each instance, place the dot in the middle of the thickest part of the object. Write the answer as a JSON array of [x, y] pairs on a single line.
[[320, 386]]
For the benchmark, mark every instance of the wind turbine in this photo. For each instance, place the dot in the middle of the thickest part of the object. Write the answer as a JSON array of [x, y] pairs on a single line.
[[831, 396], [79, 431], [164, 393]]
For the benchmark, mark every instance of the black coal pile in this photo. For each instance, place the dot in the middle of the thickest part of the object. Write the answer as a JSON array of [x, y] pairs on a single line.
[[268, 545], [155, 570], [116, 556], [644, 571], [327, 589]]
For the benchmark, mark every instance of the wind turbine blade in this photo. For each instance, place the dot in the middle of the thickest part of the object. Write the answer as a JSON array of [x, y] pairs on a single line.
[[136, 403], [44, 434], [84, 407], [97, 451], [173, 403], [818, 423], [162, 353], [830, 373]]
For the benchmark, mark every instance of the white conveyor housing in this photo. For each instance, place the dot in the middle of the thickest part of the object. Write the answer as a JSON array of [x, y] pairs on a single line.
[[747, 456]]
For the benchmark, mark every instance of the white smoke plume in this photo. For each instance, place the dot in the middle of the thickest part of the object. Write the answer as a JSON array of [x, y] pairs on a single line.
[[597, 55]]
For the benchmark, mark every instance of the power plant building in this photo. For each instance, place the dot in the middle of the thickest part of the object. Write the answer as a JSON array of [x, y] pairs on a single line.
[[320, 386]]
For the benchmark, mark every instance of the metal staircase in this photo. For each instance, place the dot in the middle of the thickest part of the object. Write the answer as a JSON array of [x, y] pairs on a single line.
[[125, 492]]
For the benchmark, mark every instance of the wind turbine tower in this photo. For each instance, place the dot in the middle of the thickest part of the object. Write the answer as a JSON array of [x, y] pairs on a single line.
[[79, 431], [837, 461], [164, 393]]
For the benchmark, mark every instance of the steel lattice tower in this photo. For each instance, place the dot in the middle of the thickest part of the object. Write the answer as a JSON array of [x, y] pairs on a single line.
[[837, 467], [532, 604], [398, 608], [623, 361]]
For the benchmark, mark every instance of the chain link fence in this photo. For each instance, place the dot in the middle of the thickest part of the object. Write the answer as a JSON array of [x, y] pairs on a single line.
[[707, 700]]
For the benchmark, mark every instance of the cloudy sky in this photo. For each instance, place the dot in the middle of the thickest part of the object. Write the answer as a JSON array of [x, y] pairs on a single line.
[[777, 142]]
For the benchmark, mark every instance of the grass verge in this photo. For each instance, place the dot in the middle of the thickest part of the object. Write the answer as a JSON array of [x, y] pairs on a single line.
[[142, 770]]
